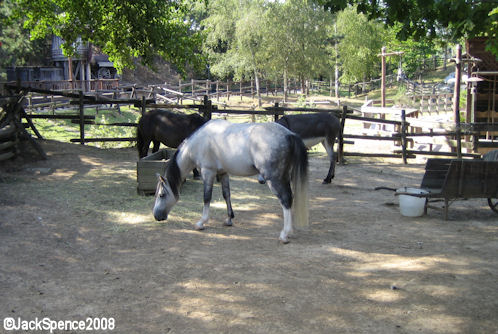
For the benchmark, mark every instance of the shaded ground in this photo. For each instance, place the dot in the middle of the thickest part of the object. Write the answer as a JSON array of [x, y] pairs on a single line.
[[76, 241]]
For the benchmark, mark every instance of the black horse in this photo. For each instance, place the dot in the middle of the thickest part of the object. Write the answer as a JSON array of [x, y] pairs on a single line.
[[313, 129], [163, 126]]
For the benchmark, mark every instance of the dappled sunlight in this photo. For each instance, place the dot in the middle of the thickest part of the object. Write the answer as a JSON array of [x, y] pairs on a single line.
[[383, 295], [375, 262], [95, 162], [210, 299], [82, 233], [119, 217], [207, 234]]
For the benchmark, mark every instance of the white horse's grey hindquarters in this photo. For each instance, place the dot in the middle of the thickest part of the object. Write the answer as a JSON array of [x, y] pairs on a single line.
[[284, 167], [314, 129], [222, 148]]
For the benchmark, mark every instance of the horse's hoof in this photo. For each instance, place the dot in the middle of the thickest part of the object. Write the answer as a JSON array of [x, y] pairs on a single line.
[[326, 181], [199, 227], [284, 241], [228, 222]]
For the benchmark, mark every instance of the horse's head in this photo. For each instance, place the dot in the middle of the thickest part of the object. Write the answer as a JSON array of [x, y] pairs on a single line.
[[165, 199], [196, 121]]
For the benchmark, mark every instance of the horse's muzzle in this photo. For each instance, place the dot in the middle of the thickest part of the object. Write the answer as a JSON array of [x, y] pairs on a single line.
[[160, 216]]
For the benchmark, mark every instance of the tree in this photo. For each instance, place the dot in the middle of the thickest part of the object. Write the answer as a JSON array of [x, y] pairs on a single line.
[[415, 53], [266, 38], [305, 29], [425, 19], [123, 29], [360, 45], [234, 42], [17, 49]]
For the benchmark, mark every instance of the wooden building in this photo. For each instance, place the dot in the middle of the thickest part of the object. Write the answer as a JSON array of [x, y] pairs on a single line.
[[482, 104]]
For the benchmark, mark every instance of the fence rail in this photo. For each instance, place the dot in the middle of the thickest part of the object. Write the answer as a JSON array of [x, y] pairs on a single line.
[[401, 133]]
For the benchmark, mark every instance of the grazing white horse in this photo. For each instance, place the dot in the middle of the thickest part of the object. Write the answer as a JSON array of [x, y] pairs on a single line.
[[222, 148]]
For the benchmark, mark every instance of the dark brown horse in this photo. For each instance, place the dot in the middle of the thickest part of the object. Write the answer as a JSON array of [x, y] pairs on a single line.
[[313, 129], [163, 126]]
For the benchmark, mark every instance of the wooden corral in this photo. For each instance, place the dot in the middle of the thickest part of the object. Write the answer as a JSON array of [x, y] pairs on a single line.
[[404, 129], [13, 134]]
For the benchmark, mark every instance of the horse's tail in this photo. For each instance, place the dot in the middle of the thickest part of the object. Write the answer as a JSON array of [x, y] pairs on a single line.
[[299, 182]]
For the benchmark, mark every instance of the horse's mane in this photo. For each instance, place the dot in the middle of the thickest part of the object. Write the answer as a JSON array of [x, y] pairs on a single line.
[[284, 122], [173, 175]]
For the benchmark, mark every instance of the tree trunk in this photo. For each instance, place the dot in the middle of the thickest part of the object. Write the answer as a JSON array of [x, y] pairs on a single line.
[[258, 90], [445, 60], [285, 85]]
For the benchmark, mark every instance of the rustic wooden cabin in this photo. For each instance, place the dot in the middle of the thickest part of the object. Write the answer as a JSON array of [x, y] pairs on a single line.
[[483, 106]]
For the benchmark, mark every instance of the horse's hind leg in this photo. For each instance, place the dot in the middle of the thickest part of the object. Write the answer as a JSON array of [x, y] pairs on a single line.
[[225, 188], [329, 147], [283, 191], [196, 173], [208, 177]]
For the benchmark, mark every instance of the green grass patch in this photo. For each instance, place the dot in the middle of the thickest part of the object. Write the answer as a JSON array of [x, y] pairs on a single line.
[[64, 130]]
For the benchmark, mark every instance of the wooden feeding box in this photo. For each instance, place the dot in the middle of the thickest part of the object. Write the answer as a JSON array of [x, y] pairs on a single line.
[[148, 167]]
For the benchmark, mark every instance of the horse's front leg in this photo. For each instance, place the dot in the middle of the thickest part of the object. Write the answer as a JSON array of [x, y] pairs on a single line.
[[225, 188], [155, 148], [208, 178]]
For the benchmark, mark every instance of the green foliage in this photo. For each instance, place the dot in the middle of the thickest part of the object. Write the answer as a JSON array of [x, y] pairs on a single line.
[[492, 33], [428, 19], [359, 48], [123, 30], [234, 37], [297, 38], [416, 53], [267, 37], [17, 49]]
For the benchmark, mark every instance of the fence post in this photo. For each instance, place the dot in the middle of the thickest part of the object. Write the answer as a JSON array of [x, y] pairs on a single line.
[[456, 100], [340, 150], [217, 90], [82, 118], [403, 136], [275, 116], [208, 108]]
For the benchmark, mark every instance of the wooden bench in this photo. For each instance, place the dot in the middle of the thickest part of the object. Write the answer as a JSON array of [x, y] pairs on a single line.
[[451, 179]]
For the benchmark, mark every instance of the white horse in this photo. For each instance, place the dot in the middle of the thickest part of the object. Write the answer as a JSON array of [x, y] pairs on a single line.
[[222, 148]]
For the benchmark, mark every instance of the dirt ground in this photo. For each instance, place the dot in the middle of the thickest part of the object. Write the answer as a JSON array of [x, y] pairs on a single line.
[[77, 242]]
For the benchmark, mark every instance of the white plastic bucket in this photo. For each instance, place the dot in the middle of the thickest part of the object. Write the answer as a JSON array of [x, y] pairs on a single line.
[[411, 206]]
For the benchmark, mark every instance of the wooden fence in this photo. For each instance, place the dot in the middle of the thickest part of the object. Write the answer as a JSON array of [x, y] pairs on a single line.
[[403, 130]]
